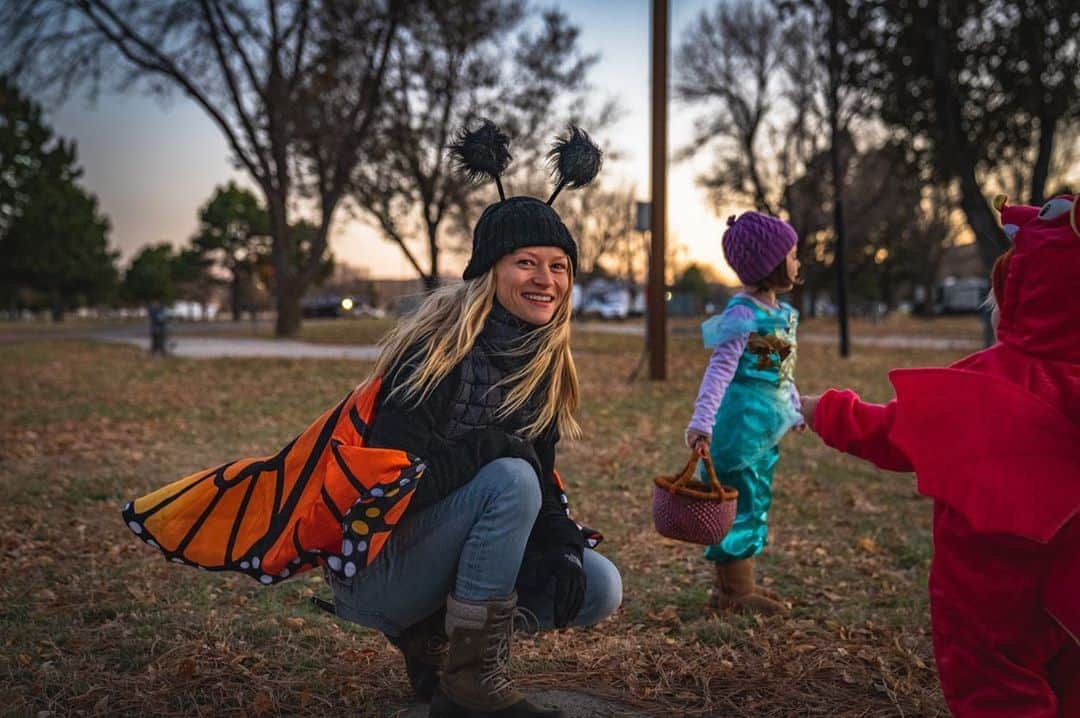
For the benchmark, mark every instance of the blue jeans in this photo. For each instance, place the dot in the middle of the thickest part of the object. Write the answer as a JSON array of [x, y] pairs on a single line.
[[471, 544]]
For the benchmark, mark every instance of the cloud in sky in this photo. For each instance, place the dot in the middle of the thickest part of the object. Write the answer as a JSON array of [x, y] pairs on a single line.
[[152, 163]]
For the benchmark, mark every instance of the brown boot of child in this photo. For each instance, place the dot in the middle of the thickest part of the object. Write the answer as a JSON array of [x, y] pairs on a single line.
[[736, 591], [758, 588]]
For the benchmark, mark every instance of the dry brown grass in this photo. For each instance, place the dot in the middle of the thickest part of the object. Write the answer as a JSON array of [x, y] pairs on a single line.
[[93, 623]]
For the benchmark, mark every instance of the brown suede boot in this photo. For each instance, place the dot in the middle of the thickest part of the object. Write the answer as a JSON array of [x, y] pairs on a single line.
[[758, 588], [476, 679], [424, 646], [736, 591]]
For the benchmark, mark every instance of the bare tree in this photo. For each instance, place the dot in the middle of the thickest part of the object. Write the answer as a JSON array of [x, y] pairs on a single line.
[[445, 69], [759, 71], [274, 78], [460, 62], [602, 222], [729, 61]]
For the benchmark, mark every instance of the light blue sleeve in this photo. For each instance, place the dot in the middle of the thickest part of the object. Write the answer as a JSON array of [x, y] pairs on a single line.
[[735, 321]]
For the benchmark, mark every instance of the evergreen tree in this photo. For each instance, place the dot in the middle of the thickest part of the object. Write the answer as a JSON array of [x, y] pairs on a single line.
[[53, 240]]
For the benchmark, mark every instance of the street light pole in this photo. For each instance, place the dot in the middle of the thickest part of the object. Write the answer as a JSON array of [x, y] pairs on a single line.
[[656, 316]]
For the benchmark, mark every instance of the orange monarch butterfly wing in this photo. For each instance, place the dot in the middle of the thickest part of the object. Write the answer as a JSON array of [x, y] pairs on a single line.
[[273, 517]]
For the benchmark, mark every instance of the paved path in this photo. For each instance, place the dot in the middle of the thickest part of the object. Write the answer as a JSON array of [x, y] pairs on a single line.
[[215, 347], [887, 341]]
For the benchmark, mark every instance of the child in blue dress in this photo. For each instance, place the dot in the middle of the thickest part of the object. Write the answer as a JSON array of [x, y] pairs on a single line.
[[748, 400]]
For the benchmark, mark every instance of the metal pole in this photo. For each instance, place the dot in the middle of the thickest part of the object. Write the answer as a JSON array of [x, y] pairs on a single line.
[[837, 183], [656, 316]]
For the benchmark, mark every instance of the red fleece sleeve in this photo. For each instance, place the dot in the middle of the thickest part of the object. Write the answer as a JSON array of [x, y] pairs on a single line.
[[849, 424]]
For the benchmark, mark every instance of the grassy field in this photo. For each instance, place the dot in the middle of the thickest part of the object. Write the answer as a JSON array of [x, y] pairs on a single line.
[[94, 623]]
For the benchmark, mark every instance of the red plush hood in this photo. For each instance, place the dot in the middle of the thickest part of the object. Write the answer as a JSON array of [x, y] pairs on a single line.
[[1040, 299]]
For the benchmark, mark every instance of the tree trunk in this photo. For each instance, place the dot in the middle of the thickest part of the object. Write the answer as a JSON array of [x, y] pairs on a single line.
[[953, 142], [798, 295], [288, 288], [287, 299], [760, 198], [885, 287], [235, 298], [1047, 128], [930, 292], [57, 303], [989, 238], [432, 279]]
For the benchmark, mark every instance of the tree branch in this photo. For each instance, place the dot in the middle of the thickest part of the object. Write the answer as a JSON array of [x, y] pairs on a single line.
[[234, 92], [234, 40], [156, 62]]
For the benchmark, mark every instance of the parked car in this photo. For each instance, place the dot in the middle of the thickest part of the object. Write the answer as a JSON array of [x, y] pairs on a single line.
[[963, 295], [335, 306], [608, 299], [613, 304]]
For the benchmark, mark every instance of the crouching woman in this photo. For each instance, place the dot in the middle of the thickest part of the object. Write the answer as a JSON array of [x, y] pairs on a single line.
[[479, 384]]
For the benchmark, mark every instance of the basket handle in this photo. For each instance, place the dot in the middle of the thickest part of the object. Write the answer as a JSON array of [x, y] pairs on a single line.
[[691, 466]]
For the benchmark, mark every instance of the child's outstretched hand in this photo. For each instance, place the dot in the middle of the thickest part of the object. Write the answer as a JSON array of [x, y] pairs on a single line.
[[809, 405], [698, 442]]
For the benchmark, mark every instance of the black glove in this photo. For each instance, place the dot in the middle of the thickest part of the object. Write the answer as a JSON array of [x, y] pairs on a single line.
[[563, 565]]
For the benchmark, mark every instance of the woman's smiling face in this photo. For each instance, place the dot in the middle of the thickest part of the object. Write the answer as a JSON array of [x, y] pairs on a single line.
[[532, 282]]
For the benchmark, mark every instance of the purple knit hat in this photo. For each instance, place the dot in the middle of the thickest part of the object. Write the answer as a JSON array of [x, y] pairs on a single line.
[[755, 244]]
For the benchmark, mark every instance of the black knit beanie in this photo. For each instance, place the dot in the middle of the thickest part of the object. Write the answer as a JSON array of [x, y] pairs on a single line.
[[517, 222]]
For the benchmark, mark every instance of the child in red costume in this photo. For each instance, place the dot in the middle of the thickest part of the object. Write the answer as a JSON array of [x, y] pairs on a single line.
[[995, 441]]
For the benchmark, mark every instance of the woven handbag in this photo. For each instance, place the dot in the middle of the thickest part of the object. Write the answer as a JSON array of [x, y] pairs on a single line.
[[687, 510]]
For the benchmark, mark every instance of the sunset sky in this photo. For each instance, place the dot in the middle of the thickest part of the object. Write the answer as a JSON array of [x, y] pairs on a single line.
[[152, 164]]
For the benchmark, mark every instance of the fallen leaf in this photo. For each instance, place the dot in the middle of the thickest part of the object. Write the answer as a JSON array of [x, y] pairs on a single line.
[[187, 668], [668, 614], [263, 702]]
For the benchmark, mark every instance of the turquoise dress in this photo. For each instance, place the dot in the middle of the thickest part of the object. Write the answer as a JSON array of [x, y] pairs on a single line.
[[757, 410]]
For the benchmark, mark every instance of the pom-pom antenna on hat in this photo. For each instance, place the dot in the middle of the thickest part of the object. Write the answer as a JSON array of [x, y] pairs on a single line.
[[575, 160], [482, 153]]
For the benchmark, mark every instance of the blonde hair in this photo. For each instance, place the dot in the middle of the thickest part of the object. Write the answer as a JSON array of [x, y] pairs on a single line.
[[448, 324]]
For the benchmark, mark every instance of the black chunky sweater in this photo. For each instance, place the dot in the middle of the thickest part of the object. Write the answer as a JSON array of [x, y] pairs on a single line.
[[455, 430]]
